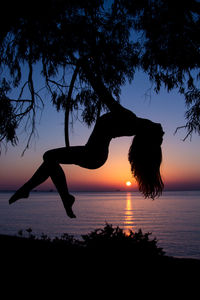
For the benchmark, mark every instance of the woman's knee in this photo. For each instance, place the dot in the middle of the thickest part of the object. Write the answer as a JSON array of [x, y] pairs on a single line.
[[49, 156]]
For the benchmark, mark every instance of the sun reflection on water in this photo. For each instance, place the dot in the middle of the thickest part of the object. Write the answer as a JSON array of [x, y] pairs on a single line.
[[129, 219]]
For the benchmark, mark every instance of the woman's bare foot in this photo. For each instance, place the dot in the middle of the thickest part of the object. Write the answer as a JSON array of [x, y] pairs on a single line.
[[19, 194], [68, 206]]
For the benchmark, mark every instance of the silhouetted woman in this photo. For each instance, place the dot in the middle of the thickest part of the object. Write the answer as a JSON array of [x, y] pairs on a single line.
[[145, 155]]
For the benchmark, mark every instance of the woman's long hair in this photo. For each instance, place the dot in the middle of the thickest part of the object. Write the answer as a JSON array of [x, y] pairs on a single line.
[[145, 157]]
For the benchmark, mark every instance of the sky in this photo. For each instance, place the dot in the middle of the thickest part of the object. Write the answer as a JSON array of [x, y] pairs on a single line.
[[181, 159]]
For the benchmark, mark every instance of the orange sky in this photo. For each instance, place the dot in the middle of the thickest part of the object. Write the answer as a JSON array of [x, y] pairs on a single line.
[[179, 169]]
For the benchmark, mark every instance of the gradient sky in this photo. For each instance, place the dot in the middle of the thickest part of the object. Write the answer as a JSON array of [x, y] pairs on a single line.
[[181, 160]]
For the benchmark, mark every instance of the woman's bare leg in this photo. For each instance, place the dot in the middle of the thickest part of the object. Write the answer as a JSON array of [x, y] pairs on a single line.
[[50, 167], [58, 177]]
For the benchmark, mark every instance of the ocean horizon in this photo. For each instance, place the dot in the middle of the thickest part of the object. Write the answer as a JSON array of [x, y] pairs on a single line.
[[173, 219]]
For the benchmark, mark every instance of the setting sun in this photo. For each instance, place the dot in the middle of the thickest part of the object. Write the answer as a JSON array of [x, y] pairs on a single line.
[[128, 183]]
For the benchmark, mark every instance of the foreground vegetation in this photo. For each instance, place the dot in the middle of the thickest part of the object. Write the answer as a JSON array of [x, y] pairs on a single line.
[[107, 249], [104, 239]]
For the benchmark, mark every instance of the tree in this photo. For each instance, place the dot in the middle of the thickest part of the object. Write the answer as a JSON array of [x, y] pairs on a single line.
[[171, 49], [81, 45]]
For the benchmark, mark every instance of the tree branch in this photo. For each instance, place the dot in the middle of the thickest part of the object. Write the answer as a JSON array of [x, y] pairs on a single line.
[[68, 102], [92, 75], [22, 89], [187, 135], [19, 100], [57, 84]]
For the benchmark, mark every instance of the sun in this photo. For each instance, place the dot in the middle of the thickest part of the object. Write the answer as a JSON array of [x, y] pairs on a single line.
[[128, 183]]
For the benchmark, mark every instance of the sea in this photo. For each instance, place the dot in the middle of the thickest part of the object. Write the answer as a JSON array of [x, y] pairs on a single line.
[[173, 219]]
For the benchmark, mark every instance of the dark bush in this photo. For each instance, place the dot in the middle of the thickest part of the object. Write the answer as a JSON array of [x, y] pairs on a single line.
[[115, 239]]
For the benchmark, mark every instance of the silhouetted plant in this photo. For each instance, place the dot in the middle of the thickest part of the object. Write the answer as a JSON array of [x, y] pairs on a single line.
[[115, 239], [20, 232], [66, 240], [30, 234], [44, 237]]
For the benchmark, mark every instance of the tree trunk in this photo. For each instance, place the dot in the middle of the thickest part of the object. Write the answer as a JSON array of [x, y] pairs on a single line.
[[68, 104], [67, 109]]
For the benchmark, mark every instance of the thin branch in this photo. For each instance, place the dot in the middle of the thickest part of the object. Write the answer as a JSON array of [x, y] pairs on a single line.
[[57, 84], [19, 100], [41, 100], [22, 89], [2, 138], [178, 128], [32, 106], [187, 135], [29, 108]]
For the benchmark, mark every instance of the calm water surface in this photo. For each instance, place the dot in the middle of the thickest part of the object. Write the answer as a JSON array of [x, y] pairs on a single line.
[[174, 218]]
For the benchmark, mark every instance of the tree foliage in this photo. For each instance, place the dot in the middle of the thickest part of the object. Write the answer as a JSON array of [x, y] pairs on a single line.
[[68, 39]]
